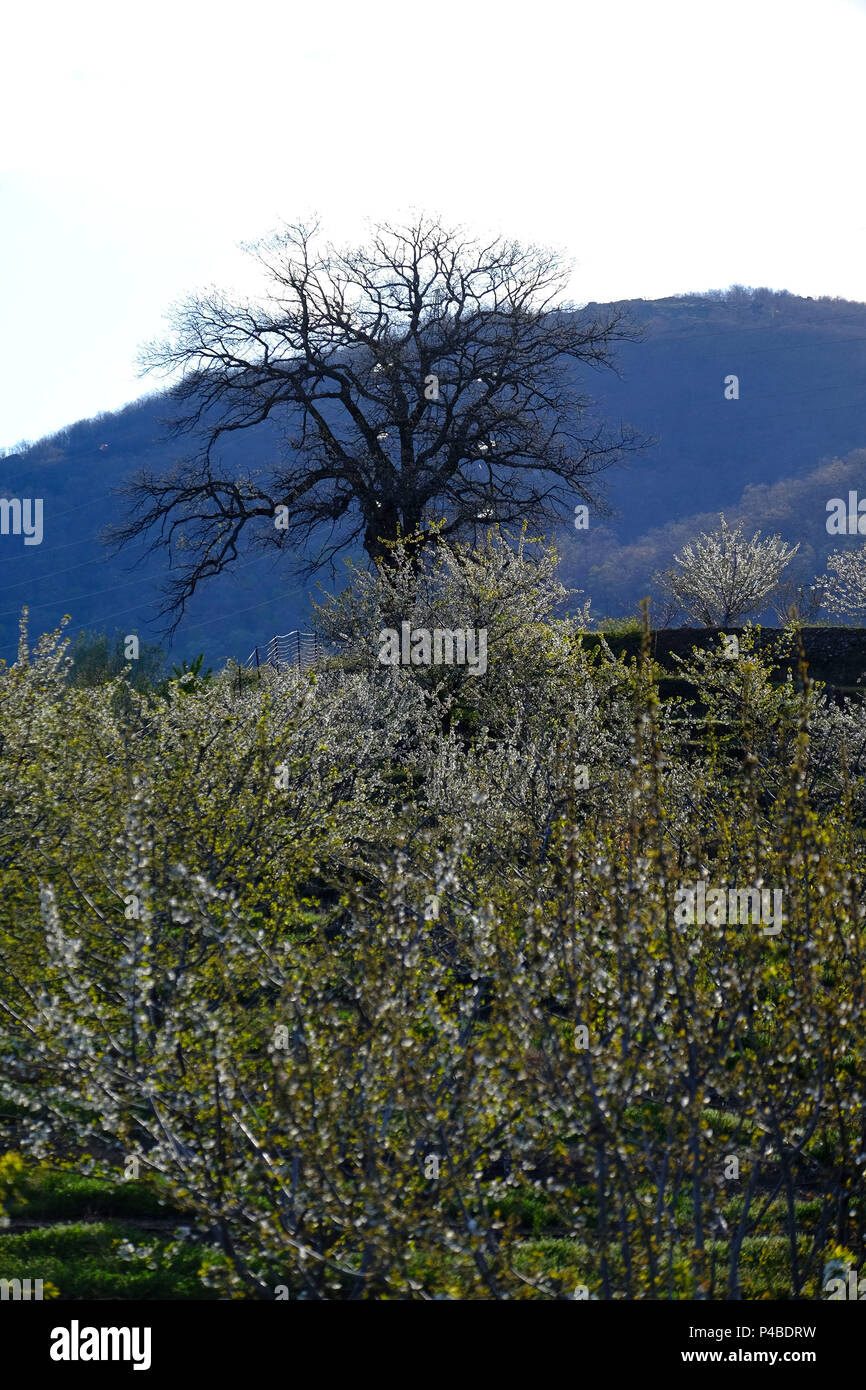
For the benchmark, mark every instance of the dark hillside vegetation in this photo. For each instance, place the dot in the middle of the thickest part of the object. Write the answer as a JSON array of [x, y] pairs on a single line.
[[792, 440]]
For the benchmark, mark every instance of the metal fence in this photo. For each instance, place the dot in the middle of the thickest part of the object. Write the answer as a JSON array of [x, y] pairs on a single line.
[[289, 649]]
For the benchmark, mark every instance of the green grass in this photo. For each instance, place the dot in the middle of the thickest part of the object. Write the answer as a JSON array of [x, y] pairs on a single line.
[[45, 1194], [87, 1261], [82, 1250], [764, 1267]]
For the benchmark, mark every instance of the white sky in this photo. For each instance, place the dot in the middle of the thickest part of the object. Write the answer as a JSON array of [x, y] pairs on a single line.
[[668, 145]]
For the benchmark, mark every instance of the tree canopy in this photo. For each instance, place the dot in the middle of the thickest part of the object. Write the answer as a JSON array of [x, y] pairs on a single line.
[[425, 376]]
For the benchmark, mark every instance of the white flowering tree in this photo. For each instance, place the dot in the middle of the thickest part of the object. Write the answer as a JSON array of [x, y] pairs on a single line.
[[722, 577], [506, 587], [845, 582]]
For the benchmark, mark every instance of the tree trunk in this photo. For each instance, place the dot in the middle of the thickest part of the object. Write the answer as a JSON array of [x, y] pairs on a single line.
[[388, 527]]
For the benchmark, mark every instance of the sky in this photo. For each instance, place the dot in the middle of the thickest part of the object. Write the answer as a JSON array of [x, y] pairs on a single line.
[[666, 147]]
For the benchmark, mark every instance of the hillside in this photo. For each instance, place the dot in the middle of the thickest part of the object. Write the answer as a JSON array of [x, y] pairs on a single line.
[[774, 456], [793, 438]]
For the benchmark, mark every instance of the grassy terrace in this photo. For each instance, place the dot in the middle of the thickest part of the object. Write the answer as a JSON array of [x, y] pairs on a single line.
[[90, 1239]]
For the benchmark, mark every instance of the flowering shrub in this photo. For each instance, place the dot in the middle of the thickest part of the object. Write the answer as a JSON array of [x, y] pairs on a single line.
[[844, 585], [376, 993], [721, 577]]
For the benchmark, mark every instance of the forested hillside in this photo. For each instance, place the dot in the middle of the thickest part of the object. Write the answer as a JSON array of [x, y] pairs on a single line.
[[774, 455]]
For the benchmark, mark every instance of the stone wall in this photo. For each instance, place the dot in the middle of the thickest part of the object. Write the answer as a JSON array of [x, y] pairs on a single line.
[[835, 655]]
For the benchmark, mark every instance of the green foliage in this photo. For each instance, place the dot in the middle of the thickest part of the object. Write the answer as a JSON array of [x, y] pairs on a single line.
[[104, 1260], [12, 1171], [97, 659], [618, 627], [318, 955], [186, 678], [44, 1194]]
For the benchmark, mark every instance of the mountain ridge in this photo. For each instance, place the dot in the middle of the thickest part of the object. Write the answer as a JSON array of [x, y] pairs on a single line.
[[797, 428]]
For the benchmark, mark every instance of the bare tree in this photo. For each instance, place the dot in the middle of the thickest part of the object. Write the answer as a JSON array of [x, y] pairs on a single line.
[[796, 601], [421, 378]]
